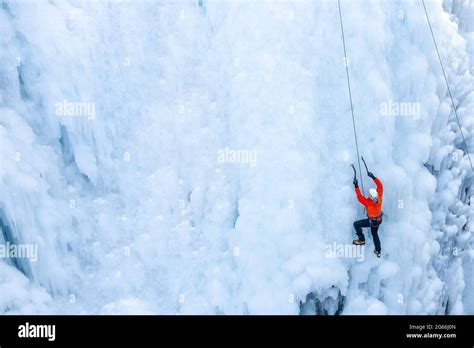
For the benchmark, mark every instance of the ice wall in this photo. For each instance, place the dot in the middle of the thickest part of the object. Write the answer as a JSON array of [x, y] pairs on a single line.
[[132, 207]]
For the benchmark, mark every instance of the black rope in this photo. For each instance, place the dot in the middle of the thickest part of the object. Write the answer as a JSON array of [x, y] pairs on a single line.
[[447, 85], [350, 95]]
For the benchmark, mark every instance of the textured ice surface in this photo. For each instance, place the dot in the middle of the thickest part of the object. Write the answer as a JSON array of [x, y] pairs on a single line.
[[115, 117]]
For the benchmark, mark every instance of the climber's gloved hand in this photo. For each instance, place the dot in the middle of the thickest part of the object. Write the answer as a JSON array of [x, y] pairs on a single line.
[[356, 183], [370, 174]]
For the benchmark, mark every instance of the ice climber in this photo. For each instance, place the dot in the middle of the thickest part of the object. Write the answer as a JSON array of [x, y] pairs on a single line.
[[373, 206]]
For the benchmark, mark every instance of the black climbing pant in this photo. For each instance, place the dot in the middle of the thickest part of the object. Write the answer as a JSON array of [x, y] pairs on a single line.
[[374, 227]]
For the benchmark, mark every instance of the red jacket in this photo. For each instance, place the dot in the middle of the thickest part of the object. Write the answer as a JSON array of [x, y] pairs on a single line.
[[373, 209]]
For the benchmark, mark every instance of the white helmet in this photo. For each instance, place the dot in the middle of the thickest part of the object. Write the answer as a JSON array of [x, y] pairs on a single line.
[[373, 194]]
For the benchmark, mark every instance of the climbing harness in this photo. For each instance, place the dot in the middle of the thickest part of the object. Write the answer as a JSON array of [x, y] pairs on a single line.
[[376, 220]]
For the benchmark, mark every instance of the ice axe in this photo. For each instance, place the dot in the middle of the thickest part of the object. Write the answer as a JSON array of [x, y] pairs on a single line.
[[365, 164], [355, 173]]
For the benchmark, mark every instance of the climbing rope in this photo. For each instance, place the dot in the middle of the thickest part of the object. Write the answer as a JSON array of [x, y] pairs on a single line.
[[350, 95], [447, 85]]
